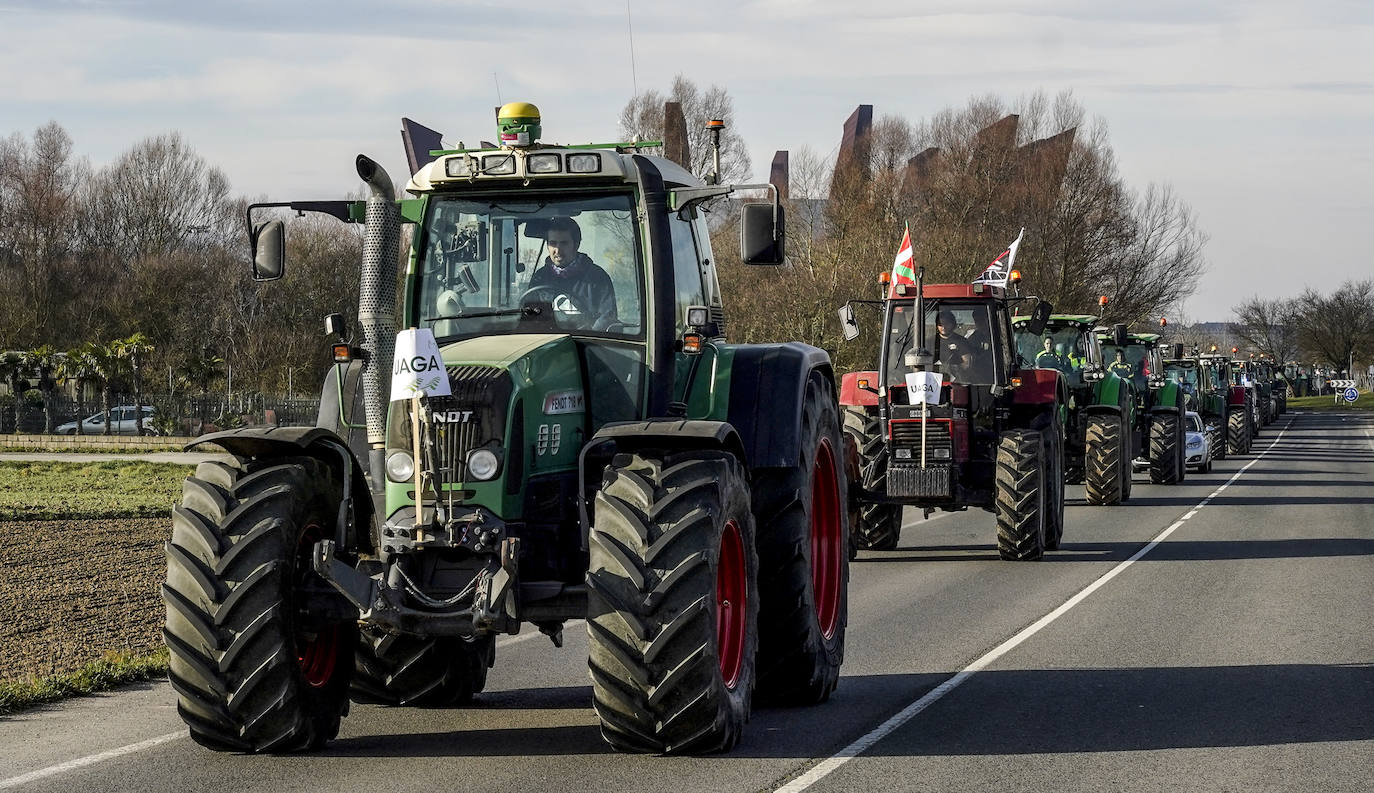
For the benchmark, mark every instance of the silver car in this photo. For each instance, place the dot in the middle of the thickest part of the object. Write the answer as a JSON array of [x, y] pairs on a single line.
[[1198, 454], [121, 422]]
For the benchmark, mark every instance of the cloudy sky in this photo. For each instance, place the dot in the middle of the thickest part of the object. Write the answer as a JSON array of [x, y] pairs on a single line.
[[1260, 113]]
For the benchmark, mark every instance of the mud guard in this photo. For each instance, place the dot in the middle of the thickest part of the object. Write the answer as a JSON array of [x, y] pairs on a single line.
[[853, 396], [259, 442], [767, 386]]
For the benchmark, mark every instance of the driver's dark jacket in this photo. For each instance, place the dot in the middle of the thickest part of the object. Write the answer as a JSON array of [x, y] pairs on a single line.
[[586, 285]]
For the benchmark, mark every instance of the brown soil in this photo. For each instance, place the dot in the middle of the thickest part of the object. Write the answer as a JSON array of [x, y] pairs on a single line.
[[73, 590]]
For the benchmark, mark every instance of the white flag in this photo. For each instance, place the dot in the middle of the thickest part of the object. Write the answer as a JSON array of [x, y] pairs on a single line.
[[923, 387], [418, 369], [999, 271]]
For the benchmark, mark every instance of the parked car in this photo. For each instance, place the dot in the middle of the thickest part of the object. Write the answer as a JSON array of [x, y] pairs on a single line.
[[1198, 454], [121, 422]]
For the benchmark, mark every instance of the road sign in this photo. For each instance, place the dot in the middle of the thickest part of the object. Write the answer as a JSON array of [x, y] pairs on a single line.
[[1341, 385], [1351, 395]]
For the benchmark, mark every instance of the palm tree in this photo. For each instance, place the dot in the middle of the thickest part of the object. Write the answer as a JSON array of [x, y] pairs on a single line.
[[13, 367], [202, 370], [44, 361], [77, 367], [135, 350], [105, 367]]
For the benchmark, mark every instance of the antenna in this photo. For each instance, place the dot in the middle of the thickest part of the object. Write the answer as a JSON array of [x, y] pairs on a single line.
[[499, 100], [629, 23]]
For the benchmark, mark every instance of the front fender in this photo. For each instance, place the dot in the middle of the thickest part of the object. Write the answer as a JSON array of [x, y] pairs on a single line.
[[767, 386], [268, 442], [853, 396]]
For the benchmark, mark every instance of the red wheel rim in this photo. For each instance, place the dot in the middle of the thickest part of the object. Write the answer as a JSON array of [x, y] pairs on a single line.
[[316, 653], [827, 543], [732, 602]]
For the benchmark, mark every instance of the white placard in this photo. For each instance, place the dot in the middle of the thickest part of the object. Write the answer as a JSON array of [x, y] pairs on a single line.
[[923, 387], [417, 369]]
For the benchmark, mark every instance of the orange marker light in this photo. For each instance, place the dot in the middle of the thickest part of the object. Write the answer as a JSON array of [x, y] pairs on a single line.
[[884, 278], [691, 342], [342, 353], [1015, 276], [1235, 350], [1163, 322], [1102, 301], [1016, 382]]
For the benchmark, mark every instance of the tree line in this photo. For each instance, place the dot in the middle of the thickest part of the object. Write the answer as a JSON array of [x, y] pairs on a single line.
[[1333, 329]]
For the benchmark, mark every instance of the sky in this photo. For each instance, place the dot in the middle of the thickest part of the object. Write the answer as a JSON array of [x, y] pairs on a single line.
[[1259, 113]]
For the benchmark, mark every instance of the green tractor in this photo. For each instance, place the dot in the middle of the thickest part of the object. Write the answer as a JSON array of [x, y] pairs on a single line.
[[1159, 406], [1099, 444], [1239, 416], [572, 439], [1203, 393]]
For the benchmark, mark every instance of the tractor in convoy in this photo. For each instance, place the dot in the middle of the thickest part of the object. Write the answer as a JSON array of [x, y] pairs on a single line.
[[1204, 392], [951, 419], [1240, 411], [576, 440], [1159, 427], [1101, 410]]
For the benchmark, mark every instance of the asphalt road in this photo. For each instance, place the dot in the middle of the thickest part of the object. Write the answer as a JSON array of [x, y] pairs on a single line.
[[1237, 653]]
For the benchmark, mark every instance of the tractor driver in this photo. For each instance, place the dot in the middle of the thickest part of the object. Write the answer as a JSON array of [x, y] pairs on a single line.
[[1047, 358], [956, 352], [568, 271], [1120, 367]]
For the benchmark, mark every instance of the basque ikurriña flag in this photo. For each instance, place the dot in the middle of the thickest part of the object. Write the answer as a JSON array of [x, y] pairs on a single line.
[[902, 272], [999, 271]]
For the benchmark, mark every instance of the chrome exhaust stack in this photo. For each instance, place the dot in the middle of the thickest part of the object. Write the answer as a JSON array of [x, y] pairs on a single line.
[[377, 305]]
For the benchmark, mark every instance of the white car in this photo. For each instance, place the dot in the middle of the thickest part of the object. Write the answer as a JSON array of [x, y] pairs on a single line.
[[1198, 453], [121, 422]]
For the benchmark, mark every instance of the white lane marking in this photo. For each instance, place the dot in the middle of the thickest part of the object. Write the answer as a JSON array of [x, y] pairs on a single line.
[[828, 766], [82, 762], [70, 765]]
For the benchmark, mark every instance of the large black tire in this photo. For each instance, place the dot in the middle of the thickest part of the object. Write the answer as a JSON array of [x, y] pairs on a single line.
[[1218, 439], [1237, 431], [1166, 452], [879, 526], [401, 669], [1021, 503], [803, 560], [1054, 484], [1104, 458], [250, 673], [671, 647]]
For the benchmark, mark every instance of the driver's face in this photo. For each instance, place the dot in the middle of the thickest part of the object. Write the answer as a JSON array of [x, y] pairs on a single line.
[[562, 248]]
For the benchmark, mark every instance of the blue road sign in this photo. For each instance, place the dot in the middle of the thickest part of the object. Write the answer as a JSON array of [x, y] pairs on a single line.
[[1351, 395]]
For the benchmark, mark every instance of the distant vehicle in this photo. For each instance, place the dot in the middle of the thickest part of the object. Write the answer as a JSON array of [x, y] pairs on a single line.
[[1199, 444], [121, 422]]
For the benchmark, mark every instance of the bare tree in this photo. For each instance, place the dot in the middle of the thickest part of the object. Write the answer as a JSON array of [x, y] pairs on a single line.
[[1270, 326], [1339, 327], [643, 116]]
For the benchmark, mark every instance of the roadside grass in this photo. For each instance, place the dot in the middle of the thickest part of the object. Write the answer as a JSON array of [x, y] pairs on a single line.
[[115, 669], [1330, 403], [113, 489]]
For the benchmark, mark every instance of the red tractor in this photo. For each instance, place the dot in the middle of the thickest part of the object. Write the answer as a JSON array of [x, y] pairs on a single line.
[[954, 418]]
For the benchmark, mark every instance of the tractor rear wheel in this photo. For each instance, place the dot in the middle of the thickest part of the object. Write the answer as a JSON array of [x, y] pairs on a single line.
[[879, 526], [1021, 502], [1166, 453], [402, 669], [672, 619], [1237, 431], [253, 671], [1103, 458], [803, 560], [1054, 485]]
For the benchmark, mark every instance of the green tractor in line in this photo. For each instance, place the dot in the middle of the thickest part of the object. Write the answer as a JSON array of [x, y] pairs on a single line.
[[1099, 443], [1240, 411], [581, 443], [1203, 392], [1159, 406]]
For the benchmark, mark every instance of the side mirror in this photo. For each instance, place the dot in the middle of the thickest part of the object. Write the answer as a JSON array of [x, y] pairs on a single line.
[[1039, 317], [1178, 350], [848, 324], [1119, 334], [269, 250], [760, 238], [334, 325]]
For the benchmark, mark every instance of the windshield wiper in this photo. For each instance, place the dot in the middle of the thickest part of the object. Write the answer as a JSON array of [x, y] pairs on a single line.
[[528, 311]]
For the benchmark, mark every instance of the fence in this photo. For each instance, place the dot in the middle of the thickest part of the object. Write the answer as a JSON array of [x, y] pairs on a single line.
[[173, 414]]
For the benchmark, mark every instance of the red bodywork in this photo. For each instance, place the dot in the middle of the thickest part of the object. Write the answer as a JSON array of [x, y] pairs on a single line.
[[1237, 396], [1038, 387], [851, 394]]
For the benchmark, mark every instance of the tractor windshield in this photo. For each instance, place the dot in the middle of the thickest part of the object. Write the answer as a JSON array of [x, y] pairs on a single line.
[[1060, 348], [962, 336], [1186, 377], [520, 265], [1131, 362]]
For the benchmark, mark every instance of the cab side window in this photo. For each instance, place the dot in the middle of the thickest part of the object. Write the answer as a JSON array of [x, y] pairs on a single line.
[[686, 268]]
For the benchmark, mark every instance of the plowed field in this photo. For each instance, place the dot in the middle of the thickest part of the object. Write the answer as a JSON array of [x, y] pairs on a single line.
[[73, 590]]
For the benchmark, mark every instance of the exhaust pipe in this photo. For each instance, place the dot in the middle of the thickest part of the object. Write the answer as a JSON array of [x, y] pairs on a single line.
[[377, 305]]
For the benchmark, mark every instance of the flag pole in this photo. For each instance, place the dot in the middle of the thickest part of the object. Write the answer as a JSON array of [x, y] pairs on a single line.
[[920, 319]]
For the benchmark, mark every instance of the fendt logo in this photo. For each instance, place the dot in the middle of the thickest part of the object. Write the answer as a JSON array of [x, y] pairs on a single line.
[[452, 416]]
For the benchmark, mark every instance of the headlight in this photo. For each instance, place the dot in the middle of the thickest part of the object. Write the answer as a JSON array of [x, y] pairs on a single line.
[[482, 464], [400, 466], [1194, 441], [543, 163], [584, 163]]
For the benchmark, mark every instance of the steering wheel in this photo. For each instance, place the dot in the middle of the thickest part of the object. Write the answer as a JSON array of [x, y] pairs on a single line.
[[545, 293]]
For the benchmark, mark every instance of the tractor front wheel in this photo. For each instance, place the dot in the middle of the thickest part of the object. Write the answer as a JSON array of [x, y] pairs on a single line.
[[1104, 459], [879, 526], [1166, 453], [254, 671], [1238, 431], [672, 593], [1021, 502]]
